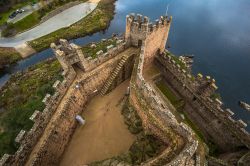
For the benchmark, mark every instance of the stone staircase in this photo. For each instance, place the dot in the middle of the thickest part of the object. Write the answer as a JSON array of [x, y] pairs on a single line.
[[113, 75]]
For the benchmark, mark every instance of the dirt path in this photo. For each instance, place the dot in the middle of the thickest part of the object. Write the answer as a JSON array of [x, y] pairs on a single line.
[[104, 134]]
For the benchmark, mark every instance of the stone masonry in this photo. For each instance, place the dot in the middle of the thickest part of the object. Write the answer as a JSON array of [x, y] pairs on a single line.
[[84, 77]]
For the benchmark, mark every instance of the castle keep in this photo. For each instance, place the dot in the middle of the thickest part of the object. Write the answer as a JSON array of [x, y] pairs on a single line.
[[134, 57]]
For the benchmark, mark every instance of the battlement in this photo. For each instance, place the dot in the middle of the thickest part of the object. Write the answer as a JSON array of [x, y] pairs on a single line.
[[159, 115], [139, 23], [102, 56], [69, 54], [202, 89], [28, 139]]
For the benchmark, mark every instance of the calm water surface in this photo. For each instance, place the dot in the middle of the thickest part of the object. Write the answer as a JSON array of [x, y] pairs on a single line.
[[217, 32]]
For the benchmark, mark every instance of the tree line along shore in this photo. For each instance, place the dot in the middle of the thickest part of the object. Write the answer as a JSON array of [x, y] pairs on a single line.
[[96, 21]]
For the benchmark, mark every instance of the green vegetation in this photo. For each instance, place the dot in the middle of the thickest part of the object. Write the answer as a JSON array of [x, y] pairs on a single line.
[[21, 97], [22, 25], [177, 103], [177, 61], [96, 21], [8, 56], [146, 145], [193, 127], [34, 18], [216, 96], [87, 50], [8, 7]]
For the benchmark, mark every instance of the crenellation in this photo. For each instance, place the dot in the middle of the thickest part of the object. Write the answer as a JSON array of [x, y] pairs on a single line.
[[229, 112], [158, 116], [46, 99], [218, 102], [19, 138], [203, 88], [241, 124], [110, 47], [35, 116]]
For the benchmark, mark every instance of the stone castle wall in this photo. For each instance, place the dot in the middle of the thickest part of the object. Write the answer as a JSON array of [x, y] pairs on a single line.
[[90, 83], [64, 124], [154, 36], [70, 54], [28, 139], [158, 119], [214, 121]]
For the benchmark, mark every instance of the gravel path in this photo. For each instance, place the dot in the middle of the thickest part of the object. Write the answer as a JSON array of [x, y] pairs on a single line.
[[63, 19]]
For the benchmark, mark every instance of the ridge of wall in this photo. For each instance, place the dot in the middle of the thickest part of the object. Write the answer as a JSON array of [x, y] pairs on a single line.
[[70, 53], [201, 89], [158, 119], [57, 137], [28, 139]]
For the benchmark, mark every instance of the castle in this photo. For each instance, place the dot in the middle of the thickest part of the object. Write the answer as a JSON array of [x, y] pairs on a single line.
[[130, 58]]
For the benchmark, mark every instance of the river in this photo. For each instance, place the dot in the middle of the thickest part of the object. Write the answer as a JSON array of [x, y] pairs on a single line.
[[215, 31]]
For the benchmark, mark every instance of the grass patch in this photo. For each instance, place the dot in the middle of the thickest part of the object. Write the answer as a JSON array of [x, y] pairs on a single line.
[[91, 52], [215, 96], [98, 20], [8, 56], [21, 97], [145, 147], [193, 127], [177, 61], [33, 19], [5, 15], [177, 103]]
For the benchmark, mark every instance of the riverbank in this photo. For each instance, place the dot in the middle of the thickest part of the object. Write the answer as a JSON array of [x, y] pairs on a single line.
[[39, 16], [8, 56], [96, 21], [20, 97]]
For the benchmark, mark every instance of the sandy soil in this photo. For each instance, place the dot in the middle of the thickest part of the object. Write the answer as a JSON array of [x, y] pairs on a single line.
[[104, 134]]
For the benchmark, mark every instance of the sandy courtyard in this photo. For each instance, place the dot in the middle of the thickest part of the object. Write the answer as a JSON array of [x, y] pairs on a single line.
[[104, 135]]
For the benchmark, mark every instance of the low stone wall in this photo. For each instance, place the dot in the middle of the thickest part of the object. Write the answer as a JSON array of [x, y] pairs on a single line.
[[102, 57], [28, 139], [63, 122], [222, 129], [158, 119]]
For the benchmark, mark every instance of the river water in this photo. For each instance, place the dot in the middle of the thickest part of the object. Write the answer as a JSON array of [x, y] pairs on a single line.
[[215, 31]]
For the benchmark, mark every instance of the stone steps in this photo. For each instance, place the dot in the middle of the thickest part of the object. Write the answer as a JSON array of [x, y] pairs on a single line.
[[114, 74]]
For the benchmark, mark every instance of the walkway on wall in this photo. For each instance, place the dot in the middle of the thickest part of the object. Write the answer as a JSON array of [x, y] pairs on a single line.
[[51, 124], [104, 135]]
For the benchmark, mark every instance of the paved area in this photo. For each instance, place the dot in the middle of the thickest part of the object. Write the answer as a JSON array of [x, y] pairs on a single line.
[[27, 11], [104, 135], [63, 19]]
